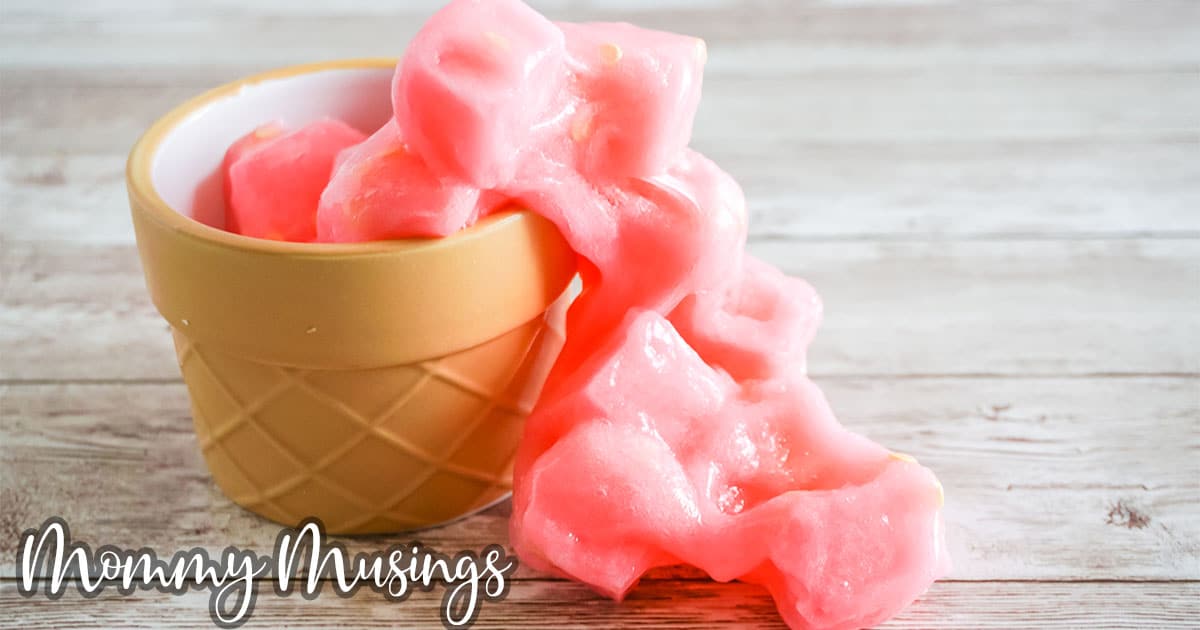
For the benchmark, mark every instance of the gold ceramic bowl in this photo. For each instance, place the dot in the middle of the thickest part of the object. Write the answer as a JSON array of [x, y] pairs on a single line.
[[377, 386]]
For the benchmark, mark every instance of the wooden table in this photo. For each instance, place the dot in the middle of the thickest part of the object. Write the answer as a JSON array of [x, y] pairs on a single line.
[[999, 201]]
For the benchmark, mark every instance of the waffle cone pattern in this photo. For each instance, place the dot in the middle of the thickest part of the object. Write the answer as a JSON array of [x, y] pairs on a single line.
[[368, 450]]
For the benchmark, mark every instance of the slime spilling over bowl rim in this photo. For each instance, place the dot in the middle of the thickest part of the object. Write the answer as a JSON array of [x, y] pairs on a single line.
[[537, 267], [140, 165], [378, 386], [668, 432]]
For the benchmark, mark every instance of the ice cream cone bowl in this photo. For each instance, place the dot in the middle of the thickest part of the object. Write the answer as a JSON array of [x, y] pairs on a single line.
[[378, 386]]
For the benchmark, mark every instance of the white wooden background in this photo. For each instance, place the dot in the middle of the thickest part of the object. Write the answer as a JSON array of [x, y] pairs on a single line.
[[999, 201]]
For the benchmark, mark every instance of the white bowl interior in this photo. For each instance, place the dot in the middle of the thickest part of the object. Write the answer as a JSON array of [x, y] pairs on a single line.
[[186, 171]]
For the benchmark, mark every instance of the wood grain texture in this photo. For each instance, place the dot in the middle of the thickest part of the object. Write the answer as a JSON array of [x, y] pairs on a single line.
[[1054, 456], [999, 202], [1060, 306], [915, 156], [751, 36], [876, 111], [1089, 189], [660, 604], [913, 121]]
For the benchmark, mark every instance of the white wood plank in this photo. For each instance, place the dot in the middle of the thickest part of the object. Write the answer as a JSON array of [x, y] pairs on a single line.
[[659, 604], [761, 36], [1021, 308], [102, 323], [1037, 472], [741, 115], [1004, 307], [1090, 189]]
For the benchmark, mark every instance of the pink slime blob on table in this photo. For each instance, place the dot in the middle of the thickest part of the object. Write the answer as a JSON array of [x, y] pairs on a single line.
[[678, 424]]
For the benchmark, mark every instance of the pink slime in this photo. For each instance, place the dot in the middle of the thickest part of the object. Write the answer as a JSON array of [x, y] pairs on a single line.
[[678, 424]]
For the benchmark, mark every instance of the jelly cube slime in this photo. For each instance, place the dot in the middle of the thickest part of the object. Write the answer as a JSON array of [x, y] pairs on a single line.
[[678, 424], [274, 178]]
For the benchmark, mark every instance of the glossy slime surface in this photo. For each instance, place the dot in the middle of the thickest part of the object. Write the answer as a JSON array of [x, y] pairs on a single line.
[[678, 424]]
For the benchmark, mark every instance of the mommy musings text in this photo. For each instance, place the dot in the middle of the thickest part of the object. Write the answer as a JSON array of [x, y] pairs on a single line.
[[49, 561]]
